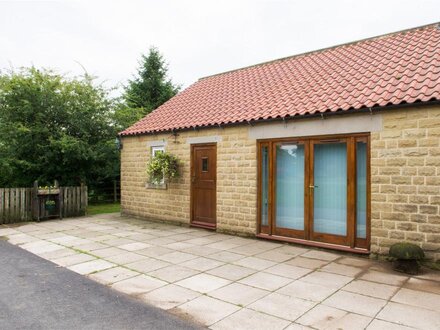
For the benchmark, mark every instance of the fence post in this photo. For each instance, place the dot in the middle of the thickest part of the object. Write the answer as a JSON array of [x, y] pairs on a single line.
[[2, 205]]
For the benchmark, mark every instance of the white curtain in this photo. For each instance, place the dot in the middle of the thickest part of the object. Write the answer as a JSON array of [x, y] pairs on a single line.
[[361, 190], [290, 186], [264, 185], [330, 192]]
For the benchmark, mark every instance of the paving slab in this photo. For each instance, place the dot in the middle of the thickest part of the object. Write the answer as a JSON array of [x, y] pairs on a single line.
[[138, 285], [285, 307], [384, 277], [423, 285], [418, 298], [113, 275], [40, 247], [169, 296], [355, 262], [336, 268], [307, 291], [247, 319], [325, 317], [202, 264], [321, 255], [226, 256], [307, 262], [238, 294], [108, 252], [296, 326], [89, 247], [154, 251], [254, 263], [266, 281], [289, 271], [274, 255], [203, 283], [147, 265], [63, 252], [173, 273], [74, 259], [206, 251], [126, 258], [410, 316], [177, 257], [92, 266], [231, 272], [383, 325], [356, 303], [327, 279], [134, 246], [372, 289], [206, 310]]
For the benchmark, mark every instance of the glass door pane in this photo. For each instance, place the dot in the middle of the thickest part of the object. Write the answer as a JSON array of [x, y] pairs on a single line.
[[330, 189], [264, 185], [290, 186], [361, 189]]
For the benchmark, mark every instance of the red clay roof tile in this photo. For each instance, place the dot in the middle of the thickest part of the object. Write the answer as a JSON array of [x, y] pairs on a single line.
[[403, 67]]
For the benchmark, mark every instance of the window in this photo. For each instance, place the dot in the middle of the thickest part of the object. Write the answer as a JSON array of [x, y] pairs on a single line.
[[204, 164], [155, 150], [315, 189]]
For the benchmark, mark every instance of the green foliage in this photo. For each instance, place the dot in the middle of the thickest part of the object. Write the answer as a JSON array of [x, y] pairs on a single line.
[[406, 251], [162, 166], [125, 116], [54, 128], [93, 209], [149, 89]]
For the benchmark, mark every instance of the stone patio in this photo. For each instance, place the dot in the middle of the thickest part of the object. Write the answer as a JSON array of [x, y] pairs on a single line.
[[225, 282]]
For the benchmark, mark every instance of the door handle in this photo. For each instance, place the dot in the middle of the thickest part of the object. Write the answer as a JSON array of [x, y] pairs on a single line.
[[193, 179], [313, 187]]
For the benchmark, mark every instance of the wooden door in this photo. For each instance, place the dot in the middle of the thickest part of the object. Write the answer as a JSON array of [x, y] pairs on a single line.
[[203, 185], [330, 190], [289, 182]]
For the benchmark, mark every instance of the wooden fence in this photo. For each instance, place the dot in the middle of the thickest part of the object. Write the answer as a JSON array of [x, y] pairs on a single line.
[[75, 201], [16, 203]]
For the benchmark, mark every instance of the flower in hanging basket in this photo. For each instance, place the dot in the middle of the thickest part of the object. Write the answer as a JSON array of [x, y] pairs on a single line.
[[162, 167], [49, 205]]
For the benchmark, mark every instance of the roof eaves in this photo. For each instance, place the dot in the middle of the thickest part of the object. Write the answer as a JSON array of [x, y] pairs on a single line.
[[324, 114]]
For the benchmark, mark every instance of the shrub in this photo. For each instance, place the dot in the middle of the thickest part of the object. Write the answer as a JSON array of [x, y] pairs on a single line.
[[406, 257], [163, 166]]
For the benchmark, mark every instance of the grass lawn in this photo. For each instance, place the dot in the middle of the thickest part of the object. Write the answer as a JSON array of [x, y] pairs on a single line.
[[103, 208]]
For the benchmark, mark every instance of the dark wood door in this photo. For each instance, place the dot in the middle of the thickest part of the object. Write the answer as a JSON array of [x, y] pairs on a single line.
[[203, 185]]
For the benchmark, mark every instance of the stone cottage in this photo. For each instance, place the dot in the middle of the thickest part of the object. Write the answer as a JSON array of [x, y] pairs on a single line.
[[337, 148]]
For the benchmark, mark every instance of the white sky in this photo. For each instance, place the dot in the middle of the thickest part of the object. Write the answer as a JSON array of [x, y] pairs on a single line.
[[197, 38]]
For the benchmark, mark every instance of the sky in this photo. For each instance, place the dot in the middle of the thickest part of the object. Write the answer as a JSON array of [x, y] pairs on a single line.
[[197, 38]]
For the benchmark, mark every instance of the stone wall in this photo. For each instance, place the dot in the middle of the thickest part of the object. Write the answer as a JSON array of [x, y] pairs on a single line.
[[236, 179], [405, 180]]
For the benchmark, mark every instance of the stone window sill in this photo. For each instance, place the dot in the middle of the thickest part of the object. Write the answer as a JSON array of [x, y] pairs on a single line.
[[161, 186]]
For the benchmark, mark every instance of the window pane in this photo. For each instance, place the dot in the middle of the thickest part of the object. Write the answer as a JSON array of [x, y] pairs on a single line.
[[156, 150], [361, 189], [205, 164], [264, 185], [290, 186], [330, 192]]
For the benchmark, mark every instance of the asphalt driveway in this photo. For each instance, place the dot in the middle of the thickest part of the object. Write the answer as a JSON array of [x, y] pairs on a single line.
[[37, 294]]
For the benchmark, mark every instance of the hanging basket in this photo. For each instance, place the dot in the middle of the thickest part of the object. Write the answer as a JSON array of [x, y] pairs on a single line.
[[50, 206]]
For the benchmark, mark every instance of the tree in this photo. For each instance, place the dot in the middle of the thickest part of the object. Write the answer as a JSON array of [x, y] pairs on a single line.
[[53, 127], [151, 87]]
